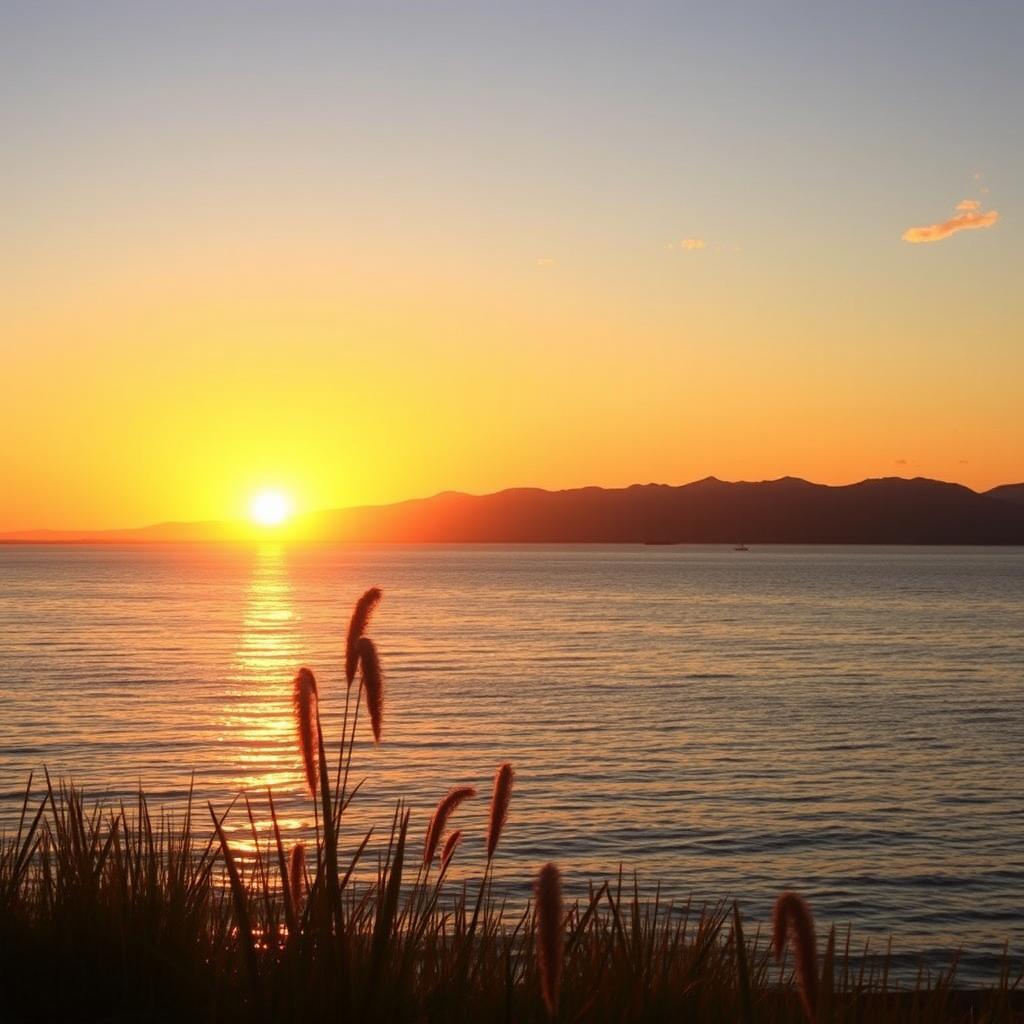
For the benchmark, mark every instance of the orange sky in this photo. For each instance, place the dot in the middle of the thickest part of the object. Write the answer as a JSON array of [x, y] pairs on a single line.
[[563, 264]]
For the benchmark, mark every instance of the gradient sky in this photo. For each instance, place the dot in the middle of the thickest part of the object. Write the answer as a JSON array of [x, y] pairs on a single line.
[[368, 252]]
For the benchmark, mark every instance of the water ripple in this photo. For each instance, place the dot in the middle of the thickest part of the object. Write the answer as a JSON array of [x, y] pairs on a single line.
[[847, 722]]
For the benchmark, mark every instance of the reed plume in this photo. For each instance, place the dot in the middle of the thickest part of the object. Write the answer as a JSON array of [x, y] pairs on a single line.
[[356, 628], [442, 813], [548, 915], [503, 779], [793, 920], [373, 683], [448, 851], [304, 697], [296, 876]]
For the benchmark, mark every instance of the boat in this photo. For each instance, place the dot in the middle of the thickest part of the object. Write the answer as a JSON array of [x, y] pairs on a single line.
[[741, 547]]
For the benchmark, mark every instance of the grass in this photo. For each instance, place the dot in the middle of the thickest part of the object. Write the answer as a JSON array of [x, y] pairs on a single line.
[[108, 914]]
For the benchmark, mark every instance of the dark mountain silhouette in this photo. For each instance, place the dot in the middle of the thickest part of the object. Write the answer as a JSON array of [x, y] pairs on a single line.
[[1008, 492], [711, 511], [886, 511]]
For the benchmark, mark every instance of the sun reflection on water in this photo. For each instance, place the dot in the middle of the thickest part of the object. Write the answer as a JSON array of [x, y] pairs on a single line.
[[261, 721]]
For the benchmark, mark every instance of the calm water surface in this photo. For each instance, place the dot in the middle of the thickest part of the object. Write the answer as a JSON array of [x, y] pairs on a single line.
[[844, 721]]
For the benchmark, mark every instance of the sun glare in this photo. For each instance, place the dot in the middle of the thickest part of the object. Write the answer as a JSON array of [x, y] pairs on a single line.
[[270, 508]]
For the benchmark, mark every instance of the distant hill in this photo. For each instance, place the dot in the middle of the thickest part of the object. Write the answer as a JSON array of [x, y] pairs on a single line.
[[791, 511], [786, 511], [1008, 492], [173, 533]]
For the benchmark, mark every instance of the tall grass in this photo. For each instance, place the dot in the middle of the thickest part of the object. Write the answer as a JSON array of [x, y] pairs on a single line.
[[109, 914]]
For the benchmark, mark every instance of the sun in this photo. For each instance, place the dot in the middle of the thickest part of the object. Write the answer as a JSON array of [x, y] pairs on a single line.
[[270, 508]]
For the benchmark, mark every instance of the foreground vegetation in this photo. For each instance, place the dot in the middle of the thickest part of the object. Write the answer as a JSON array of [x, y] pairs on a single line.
[[108, 915]]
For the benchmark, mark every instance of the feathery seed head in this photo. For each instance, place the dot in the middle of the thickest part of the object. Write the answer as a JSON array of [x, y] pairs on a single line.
[[442, 813], [793, 920], [304, 697], [356, 628], [448, 851], [373, 683], [548, 915], [503, 779]]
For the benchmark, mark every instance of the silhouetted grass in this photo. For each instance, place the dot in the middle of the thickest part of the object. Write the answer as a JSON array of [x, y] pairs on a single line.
[[106, 914]]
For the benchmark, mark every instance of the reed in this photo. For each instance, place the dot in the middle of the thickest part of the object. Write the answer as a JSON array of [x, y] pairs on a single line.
[[373, 683], [548, 893], [360, 619], [450, 845], [297, 877], [500, 797], [439, 821], [304, 699], [139, 918], [792, 921]]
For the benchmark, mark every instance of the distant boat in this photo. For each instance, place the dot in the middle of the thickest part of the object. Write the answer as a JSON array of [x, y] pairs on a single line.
[[741, 547]]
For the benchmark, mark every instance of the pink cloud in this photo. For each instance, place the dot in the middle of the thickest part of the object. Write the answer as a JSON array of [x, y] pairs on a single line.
[[968, 218]]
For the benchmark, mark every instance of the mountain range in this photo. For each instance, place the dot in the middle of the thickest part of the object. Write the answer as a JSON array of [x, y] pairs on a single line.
[[890, 510]]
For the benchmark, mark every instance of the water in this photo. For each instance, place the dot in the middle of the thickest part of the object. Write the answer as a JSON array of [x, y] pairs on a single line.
[[844, 721]]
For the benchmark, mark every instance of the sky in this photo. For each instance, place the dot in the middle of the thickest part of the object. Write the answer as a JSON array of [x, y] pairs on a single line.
[[366, 252]]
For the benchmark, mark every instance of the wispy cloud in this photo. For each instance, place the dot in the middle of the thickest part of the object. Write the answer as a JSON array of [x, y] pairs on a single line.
[[688, 244], [545, 261], [969, 216]]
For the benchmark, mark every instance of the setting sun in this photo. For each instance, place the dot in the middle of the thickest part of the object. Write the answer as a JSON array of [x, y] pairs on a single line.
[[270, 508]]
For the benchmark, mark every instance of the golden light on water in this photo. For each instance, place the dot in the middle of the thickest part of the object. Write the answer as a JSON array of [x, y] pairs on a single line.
[[267, 656]]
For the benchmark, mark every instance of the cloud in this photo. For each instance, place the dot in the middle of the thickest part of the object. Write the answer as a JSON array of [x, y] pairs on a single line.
[[970, 216], [545, 261], [688, 244], [900, 462]]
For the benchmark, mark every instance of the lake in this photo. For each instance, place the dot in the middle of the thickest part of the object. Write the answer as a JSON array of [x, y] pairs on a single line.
[[844, 721]]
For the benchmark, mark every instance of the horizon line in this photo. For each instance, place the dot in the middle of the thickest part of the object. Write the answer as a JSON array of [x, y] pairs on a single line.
[[9, 536]]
